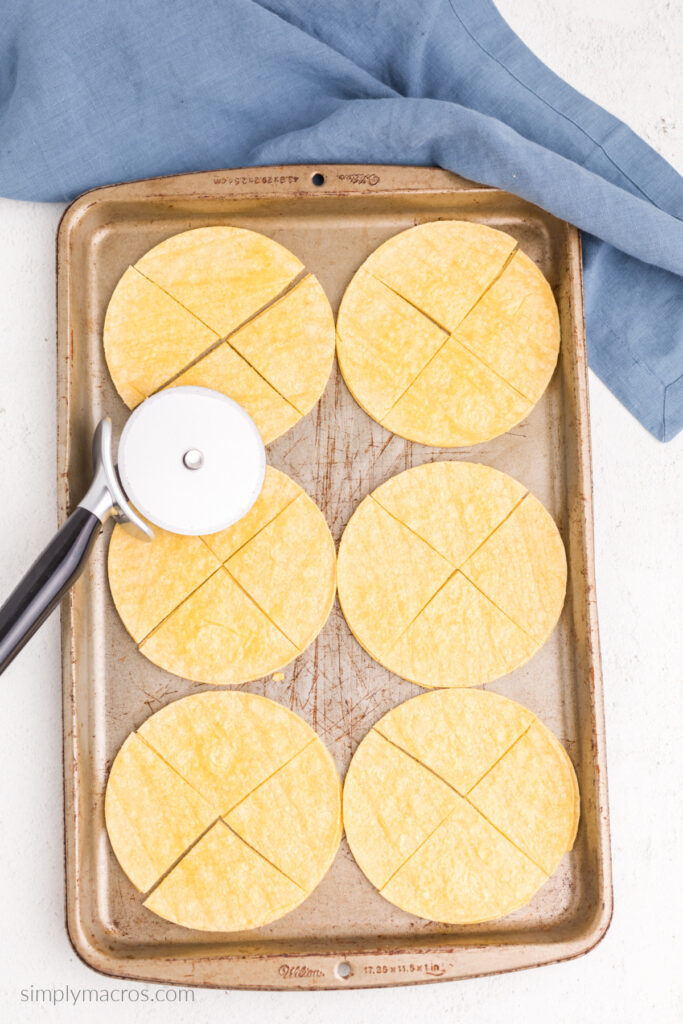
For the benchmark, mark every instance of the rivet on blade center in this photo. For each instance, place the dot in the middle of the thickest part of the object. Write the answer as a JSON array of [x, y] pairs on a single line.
[[193, 459]]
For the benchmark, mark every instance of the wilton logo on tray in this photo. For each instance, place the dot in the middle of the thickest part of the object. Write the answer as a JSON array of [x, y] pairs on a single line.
[[299, 971], [360, 179]]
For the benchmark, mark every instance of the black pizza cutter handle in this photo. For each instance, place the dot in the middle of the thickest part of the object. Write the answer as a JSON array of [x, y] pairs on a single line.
[[61, 563], [46, 582]]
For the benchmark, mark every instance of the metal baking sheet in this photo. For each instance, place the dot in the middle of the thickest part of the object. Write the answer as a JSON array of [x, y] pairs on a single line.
[[338, 454]]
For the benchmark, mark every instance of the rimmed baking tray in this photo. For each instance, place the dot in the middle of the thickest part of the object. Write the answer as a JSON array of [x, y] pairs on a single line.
[[345, 934]]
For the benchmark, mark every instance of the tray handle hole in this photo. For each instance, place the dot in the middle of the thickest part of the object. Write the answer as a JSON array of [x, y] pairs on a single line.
[[344, 970], [318, 179]]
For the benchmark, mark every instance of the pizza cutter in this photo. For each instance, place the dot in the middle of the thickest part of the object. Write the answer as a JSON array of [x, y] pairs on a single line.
[[190, 460]]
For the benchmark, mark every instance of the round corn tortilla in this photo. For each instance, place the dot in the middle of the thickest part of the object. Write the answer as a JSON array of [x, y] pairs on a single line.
[[459, 805], [451, 574], [225, 809], [236, 605], [222, 308], [448, 334]]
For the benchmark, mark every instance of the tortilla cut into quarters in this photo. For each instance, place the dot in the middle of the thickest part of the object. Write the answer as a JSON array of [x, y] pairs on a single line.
[[451, 574], [507, 787], [222, 885], [447, 335], [149, 337], [221, 308], [223, 275], [152, 814], [234, 606], [226, 809]]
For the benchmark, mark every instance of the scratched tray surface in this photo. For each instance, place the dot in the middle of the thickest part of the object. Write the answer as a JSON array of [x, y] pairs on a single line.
[[338, 454]]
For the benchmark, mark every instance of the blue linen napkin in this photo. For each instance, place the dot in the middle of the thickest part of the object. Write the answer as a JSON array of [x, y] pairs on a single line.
[[93, 92]]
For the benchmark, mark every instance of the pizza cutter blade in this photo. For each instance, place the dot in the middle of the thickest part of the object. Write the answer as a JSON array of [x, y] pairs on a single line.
[[190, 460]]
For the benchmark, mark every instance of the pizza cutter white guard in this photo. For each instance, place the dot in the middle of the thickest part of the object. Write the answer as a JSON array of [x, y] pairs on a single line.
[[190, 460]]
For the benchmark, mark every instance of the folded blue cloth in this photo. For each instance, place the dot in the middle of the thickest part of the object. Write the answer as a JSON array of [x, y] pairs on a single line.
[[93, 92]]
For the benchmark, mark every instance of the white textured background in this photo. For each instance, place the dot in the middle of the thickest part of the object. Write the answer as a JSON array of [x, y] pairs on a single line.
[[626, 55]]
